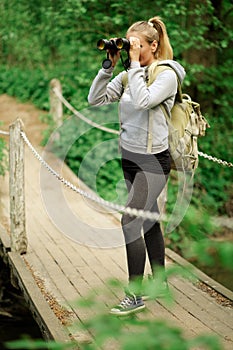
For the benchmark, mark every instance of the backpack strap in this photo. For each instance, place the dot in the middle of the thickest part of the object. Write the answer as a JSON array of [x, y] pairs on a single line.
[[161, 68], [154, 71], [125, 80]]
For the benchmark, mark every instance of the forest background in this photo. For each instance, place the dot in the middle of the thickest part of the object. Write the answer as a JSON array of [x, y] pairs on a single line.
[[45, 39]]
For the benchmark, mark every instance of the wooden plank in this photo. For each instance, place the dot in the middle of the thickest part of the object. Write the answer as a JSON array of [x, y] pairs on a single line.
[[64, 290], [222, 313], [114, 261], [54, 270], [38, 269], [69, 289], [171, 316], [89, 261], [78, 314], [187, 320], [94, 258], [61, 252], [89, 276], [48, 323], [92, 271], [200, 275], [61, 259], [200, 313]]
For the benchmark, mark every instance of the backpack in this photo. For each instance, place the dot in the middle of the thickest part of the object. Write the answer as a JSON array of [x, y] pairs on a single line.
[[185, 125]]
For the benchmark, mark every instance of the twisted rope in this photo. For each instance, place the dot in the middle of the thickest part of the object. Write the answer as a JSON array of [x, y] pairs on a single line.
[[127, 210], [130, 211], [216, 160], [4, 132], [90, 122], [80, 116]]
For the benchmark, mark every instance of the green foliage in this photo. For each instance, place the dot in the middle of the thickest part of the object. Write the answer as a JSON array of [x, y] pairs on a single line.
[[33, 86], [196, 225], [25, 85], [27, 343], [41, 40], [128, 333], [211, 253]]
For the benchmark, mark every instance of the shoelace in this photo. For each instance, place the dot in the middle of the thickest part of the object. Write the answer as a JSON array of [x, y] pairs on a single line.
[[127, 302]]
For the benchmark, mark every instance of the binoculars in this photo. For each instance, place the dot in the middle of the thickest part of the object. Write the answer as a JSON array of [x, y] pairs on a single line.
[[114, 44]]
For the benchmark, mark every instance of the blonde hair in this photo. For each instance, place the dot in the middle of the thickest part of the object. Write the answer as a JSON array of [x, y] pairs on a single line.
[[155, 29]]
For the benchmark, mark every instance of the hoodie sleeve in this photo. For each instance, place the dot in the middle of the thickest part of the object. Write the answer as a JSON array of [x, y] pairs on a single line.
[[104, 91], [144, 97]]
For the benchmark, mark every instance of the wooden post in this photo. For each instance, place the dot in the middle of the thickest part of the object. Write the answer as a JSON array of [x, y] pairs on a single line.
[[17, 195], [56, 109]]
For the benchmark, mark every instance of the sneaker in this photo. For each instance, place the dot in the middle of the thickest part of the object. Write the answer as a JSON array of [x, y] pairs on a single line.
[[130, 304], [160, 292], [145, 297]]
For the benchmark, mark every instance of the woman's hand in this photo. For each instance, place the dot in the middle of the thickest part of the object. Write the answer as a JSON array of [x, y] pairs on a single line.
[[114, 55], [135, 48]]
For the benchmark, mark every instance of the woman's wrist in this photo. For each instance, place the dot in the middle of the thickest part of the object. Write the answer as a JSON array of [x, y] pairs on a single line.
[[135, 64], [108, 70]]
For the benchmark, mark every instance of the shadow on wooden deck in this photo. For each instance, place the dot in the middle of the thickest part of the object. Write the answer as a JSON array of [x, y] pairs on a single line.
[[76, 246]]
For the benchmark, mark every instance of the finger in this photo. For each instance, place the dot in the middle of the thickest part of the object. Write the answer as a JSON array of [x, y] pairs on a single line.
[[134, 42]]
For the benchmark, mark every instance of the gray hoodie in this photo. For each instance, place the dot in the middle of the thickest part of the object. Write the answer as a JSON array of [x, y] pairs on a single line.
[[135, 101]]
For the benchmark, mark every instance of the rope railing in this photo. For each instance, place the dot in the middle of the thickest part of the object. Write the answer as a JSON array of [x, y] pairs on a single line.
[[216, 160], [82, 117], [18, 232], [130, 211], [98, 200], [4, 133], [119, 208], [17, 138], [90, 122]]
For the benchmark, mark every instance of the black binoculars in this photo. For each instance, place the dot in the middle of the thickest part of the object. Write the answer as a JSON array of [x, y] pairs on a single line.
[[113, 44]]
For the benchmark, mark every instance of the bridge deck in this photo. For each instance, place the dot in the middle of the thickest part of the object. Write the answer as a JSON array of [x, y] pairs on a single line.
[[75, 247]]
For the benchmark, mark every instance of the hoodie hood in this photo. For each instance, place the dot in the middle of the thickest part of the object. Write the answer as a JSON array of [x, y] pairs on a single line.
[[176, 66]]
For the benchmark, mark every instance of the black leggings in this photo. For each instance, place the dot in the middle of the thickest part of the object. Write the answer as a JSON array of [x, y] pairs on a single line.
[[144, 188]]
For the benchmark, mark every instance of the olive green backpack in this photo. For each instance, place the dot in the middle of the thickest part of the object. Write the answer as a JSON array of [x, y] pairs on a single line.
[[185, 124]]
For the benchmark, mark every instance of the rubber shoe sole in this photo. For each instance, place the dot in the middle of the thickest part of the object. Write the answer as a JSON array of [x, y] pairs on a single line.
[[126, 312]]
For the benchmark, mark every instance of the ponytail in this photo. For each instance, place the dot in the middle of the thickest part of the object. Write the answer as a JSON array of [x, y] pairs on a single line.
[[164, 50]]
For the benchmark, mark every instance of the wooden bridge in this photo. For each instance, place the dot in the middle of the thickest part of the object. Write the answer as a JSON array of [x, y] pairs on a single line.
[[63, 264]]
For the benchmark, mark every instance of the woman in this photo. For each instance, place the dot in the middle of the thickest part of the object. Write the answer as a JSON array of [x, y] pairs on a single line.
[[146, 170]]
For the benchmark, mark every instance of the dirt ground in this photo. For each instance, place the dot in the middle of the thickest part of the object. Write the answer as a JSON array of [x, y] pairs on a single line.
[[11, 109]]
